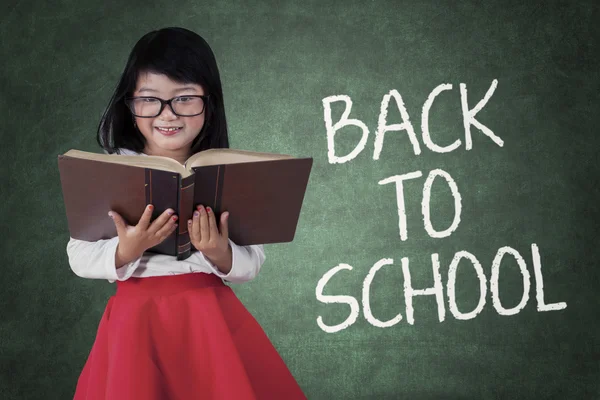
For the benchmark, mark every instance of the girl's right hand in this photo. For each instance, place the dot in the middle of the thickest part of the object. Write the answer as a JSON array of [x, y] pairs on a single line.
[[135, 240]]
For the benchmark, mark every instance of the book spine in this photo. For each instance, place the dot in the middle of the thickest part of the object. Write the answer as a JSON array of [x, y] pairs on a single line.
[[186, 208], [219, 189], [162, 190]]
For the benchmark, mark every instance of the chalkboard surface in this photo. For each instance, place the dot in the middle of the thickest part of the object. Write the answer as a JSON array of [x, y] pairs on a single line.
[[448, 243]]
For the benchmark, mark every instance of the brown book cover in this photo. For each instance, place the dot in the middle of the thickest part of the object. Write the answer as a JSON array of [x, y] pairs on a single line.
[[263, 193]]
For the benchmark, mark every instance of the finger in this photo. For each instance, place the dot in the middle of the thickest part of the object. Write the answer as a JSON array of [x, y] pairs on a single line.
[[225, 225], [120, 223], [166, 230], [162, 220], [212, 223], [194, 227], [197, 234], [204, 228], [146, 217], [193, 231]]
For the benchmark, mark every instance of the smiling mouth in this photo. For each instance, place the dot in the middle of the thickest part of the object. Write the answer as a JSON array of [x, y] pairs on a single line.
[[168, 130]]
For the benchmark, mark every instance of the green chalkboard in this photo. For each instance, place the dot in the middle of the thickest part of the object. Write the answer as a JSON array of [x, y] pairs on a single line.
[[448, 243]]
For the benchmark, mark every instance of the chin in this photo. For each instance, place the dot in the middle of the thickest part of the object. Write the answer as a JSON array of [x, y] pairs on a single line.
[[173, 145]]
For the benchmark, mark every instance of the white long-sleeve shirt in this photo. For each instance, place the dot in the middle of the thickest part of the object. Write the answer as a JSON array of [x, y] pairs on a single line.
[[96, 260]]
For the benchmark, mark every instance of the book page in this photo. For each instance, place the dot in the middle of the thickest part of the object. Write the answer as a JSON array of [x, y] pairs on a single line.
[[230, 156], [154, 162]]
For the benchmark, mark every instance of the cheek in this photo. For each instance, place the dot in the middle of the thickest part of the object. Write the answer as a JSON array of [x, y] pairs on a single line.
[[195, 124], [145, 126]]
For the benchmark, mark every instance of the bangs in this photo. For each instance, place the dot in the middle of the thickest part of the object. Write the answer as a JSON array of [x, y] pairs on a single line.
[[173, 54]]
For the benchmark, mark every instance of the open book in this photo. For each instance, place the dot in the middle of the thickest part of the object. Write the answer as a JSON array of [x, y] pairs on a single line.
[[263, 193]]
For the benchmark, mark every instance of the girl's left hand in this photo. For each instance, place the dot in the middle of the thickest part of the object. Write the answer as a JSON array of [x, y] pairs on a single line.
[[212, 242]]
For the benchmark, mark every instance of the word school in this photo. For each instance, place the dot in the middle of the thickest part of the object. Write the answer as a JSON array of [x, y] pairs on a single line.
[[437, 290]]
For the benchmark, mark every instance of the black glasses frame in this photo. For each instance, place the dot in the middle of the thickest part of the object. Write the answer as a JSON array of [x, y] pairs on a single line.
[[164, 103]]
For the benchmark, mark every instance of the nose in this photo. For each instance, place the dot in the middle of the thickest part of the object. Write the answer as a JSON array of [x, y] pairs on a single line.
[[167, 113]]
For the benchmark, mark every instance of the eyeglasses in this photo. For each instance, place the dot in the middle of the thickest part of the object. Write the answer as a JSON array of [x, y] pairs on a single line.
[[150, 107]]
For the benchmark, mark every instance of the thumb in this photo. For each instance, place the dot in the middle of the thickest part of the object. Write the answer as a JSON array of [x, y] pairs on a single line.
[[119, 222], [224, 224]]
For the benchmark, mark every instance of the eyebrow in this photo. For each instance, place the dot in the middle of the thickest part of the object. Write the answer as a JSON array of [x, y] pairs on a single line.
[[183, 89]]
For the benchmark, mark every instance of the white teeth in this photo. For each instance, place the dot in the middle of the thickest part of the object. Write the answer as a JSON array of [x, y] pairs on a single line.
[[167, 129]]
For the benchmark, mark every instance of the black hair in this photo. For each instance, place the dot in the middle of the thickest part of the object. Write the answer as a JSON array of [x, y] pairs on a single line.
[[184, 57]]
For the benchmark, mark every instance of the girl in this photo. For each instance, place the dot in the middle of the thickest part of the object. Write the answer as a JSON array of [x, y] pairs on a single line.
[[174, 330]]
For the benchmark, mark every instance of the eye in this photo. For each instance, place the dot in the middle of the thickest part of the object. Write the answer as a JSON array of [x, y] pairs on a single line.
[[147, 100], [184, 99]]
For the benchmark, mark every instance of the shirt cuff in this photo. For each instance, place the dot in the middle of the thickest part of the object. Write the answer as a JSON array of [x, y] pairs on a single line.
[[245, 264], [114, 273]]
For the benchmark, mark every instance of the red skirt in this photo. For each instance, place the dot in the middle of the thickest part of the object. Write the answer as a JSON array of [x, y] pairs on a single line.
[[182, 337]]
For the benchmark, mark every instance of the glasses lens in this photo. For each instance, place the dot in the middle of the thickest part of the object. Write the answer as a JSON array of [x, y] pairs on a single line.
[[145, 107], [188, 106]]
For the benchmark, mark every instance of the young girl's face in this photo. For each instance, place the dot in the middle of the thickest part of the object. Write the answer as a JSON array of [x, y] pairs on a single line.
[[168, 134]]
